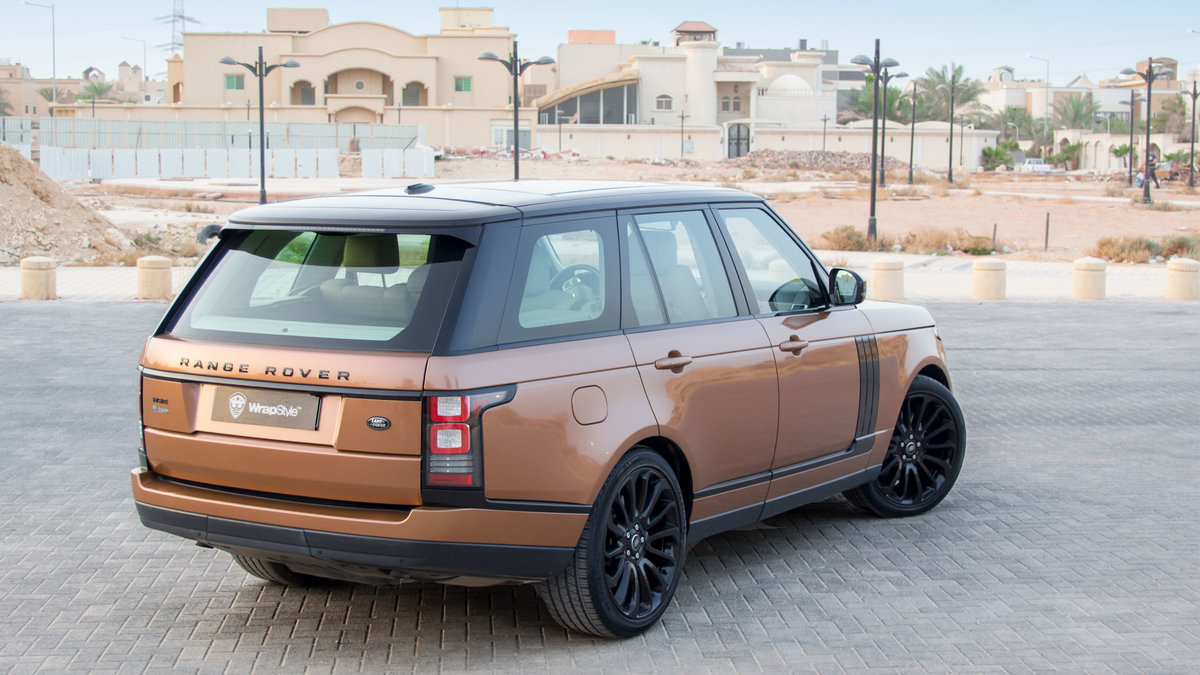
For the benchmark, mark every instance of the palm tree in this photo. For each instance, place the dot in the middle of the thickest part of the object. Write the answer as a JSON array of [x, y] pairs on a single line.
[[862, 101], [95, 90], [47, 93], [5, 106], [1017, 116], [1076, 111], [936, 104]]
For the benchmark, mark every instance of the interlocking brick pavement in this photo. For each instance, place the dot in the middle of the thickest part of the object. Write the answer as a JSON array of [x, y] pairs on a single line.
[[1070, 542]]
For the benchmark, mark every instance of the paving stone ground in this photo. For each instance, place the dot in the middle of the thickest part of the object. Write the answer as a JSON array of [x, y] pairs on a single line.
[[1070, 542]]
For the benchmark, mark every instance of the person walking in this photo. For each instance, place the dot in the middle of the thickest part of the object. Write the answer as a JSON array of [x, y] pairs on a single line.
[[1151, 167]]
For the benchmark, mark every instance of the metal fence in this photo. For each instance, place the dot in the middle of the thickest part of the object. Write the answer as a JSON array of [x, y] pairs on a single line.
[[103, 163], [67, 132], [16, 131]]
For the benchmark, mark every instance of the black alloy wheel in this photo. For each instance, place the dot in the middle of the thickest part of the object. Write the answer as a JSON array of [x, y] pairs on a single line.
[[924, 455], [643, 538], [630, 555]]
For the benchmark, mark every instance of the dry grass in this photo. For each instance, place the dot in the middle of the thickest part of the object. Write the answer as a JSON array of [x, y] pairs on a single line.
[[847, 238], [1166, 206], [1115, 190], [1127, 249], [907, 191], [1181, 245], [934, 241]]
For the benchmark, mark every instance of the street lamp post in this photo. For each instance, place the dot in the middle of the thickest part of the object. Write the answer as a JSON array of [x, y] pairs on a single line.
[[912, 131], [1133, 99], [950, 157], [53, 54], [876, 67], [886, 77], [516, 67], [145, 66], [1046, 121], [260, 70], [1149, 77], [824, 125], [1192, 143]]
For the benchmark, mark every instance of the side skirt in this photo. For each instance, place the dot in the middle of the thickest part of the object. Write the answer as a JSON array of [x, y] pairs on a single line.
[[748, 515]]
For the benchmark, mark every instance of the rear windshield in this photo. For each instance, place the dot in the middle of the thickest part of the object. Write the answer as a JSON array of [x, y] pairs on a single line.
[[358, 291]]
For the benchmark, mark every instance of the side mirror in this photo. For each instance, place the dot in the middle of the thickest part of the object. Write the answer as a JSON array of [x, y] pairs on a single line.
[[846, 287], [207, 232]]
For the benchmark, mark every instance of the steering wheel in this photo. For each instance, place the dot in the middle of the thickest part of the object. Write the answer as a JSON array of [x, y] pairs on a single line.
[[572, 276], [581, 282]]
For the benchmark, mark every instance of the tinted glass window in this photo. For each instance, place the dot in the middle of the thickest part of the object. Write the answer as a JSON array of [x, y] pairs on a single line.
[[644, 299], [562, 282], [381, 291], [687, 266], [781, 275]]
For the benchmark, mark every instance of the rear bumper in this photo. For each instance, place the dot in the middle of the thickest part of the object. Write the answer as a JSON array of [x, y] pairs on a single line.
[[423, 542], [421, 559]]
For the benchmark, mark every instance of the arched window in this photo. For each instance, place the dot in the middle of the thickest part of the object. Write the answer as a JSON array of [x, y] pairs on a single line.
[[724, 104], [737, 104], [662, 102]]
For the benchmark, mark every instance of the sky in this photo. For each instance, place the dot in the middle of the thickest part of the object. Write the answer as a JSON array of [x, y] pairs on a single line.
[[1097, 38]]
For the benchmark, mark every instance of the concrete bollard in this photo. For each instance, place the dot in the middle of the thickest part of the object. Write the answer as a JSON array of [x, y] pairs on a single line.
[[1183, 279], [887, 280], [1090, 279], [153, 278], [38, 278], [988, 280]]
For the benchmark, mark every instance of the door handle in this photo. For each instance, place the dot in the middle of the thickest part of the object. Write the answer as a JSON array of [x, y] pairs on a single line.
[[794, 345], [674, 362]]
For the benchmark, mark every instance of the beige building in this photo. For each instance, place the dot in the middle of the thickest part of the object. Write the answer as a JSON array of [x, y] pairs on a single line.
[[357, 72]]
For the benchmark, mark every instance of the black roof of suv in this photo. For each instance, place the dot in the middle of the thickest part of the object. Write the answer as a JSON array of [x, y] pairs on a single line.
[[473, 203]]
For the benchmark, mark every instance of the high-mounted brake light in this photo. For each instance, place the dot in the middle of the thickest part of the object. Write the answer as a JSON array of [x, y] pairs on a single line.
[[454, 437]]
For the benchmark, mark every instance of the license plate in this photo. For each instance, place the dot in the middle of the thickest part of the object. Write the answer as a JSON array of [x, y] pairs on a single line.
[[265, 407]]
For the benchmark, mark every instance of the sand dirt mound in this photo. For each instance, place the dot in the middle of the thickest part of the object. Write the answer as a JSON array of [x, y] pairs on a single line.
[[37, 217]]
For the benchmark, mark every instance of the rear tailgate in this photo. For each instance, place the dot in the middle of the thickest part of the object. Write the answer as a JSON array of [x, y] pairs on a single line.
[[316, 424]]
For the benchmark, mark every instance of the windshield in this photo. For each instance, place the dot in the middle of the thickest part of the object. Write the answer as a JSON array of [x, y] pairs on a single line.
[[373, 291]]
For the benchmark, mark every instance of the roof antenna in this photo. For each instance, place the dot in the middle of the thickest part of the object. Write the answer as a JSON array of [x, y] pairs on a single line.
[[418, 188]]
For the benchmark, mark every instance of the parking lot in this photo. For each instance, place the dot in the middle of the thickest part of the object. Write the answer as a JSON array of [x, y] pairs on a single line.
[[1070, 543]]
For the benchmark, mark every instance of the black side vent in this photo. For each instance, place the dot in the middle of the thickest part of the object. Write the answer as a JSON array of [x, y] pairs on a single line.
[[868, 384], [418, 188]]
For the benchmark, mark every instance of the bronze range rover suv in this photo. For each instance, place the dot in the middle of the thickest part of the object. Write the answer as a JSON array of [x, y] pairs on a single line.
[[561, 383]]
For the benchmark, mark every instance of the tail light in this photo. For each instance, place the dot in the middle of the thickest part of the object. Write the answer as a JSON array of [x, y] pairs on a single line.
[[143, 461], [454, 437]]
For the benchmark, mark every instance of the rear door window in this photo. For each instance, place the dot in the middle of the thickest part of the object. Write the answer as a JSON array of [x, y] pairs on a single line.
[[367, 290], [685, 266]]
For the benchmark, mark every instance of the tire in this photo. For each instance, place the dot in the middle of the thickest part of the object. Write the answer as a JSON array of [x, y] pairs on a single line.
[[627, 564], [274, 572], [923, 457]]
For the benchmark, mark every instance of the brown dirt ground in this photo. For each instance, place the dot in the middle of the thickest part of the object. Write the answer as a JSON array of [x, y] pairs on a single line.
[[1076, 223]]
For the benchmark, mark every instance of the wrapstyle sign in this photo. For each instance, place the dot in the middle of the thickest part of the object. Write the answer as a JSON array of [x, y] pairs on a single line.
[[264, 407]]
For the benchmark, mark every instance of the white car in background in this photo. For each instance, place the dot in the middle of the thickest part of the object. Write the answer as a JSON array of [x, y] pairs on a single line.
[[1034, 165]]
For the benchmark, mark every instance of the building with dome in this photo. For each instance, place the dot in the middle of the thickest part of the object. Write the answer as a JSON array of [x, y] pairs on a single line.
[[692, 81], [691, 97]]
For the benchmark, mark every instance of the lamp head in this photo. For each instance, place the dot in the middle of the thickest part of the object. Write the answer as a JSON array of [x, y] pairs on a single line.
[[861, 60], [942, 87], [228, 60], [543, 61], [488, 56], [900, 75], [290, 63], [889, 63], [1129, 71]]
